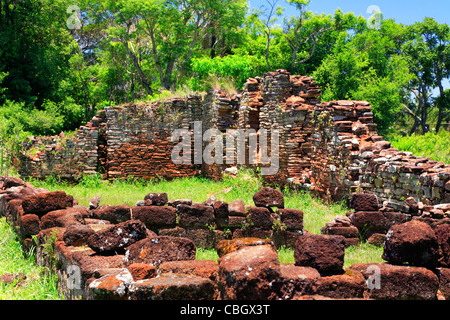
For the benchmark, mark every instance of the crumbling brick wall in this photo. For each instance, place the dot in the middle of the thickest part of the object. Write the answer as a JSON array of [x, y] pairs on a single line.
[[330, 148]]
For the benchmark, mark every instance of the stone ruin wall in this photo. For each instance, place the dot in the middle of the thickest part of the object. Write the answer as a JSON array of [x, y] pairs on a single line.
[[330, 148]]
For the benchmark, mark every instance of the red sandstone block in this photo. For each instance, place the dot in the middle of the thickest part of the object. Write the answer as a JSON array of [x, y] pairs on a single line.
[[268, 197], [61, 218], [43, 203], [201, 268], [30, 224], [323, 252], [159, 249], [155, 216], [111, 287], [349, 285], [141, 271], [114, 214], [117, 237], [172, 286], [291, 218], [260, 217], [249, 273], [195, 216], [295, 281], [389, 282]]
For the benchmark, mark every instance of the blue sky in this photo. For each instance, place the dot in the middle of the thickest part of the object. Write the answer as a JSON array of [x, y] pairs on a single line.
[[403, 11]]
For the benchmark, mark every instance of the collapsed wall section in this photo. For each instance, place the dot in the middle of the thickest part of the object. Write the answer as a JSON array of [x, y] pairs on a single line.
[[330, 148]]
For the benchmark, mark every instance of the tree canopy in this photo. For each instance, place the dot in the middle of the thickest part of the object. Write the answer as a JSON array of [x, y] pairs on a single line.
[[61, 61]]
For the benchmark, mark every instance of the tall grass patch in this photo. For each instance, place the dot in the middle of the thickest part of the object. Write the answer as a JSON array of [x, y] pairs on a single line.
[[39, 285]]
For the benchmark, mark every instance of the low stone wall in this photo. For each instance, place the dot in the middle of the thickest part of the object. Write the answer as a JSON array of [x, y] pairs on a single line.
[[148, 251]]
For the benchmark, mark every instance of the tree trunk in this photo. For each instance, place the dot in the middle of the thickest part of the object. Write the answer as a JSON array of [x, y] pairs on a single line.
[[440, 107], [141, 76]]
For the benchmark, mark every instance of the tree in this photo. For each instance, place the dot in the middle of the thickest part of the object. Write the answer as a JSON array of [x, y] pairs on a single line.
[[175, 30], [367, 66], [428, 53]]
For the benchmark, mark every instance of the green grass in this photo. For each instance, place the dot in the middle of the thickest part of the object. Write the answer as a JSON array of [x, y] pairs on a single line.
[[435, 146], [37, 286], [243, 187]]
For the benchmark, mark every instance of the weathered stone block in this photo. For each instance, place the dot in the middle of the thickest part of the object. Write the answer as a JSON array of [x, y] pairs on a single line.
[[172, 286], [248, 273], [77, 235], [323, 252], [117, 237], [114, 214], [268, 197], [364, 202], [389, 282], [412, 242], [155, 217], [42, 203], [158, 199], [159, 249], [195, 216], [291, 218]]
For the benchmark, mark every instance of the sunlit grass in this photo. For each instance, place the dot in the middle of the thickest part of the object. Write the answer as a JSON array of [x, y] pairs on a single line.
[[37, 286]]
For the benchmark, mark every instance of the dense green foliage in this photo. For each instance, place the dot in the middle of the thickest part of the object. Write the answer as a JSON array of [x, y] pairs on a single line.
[[435, 146], [61, 60]]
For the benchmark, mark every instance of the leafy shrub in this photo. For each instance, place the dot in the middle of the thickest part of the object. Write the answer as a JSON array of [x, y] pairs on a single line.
[[237, 68], [435, 146]]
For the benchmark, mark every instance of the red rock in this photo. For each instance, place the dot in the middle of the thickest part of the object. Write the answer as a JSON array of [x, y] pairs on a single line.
[[443, 237], [221, 213], [389, 282], [114, 214], [111, 287], [155, 217], [172, 286], [158, 199], [412, 242], [117, 237], [447, 186], [201, 268], [364, 202], [89, 261], [174, 203], [77, 235], [294, 281], [248, 273], [237, 208], [30, 223], [349, 285], [323, 252], [268, 197], [291, 218], [10, 182], [377, 239], [9, 278], [42, 203], [61, 218], [260, 217], [369, 222], [227, 246], [159, 249], [141, 271], [195, 216], [444, 282]]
